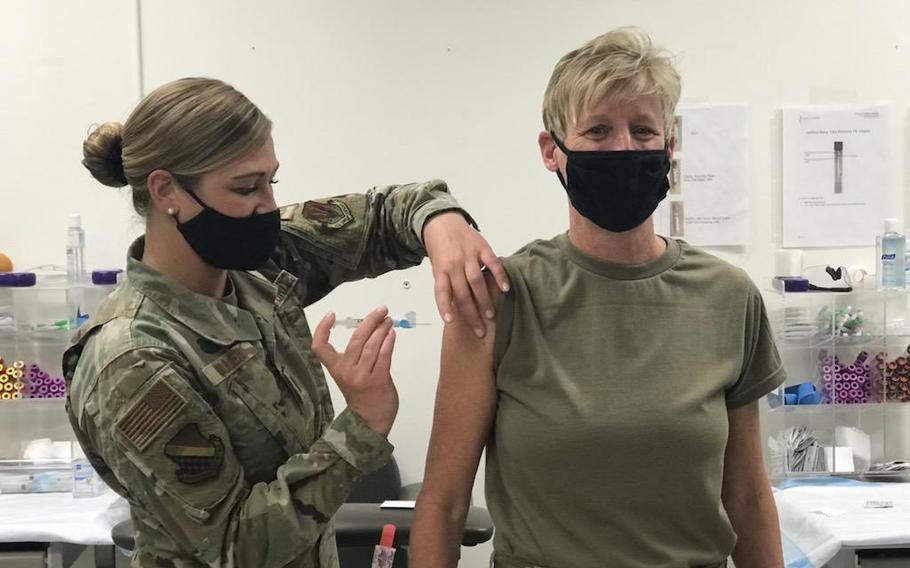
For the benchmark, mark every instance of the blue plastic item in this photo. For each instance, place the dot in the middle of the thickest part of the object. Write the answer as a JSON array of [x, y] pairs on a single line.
[[17, 279], [105, 277], [803, 393]]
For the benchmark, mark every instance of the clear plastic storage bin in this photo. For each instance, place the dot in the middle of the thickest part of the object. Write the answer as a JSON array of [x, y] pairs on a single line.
[[38, 315], [843, 408]]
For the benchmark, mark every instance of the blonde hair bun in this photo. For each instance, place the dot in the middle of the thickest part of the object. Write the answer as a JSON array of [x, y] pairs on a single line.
[[102, 154]]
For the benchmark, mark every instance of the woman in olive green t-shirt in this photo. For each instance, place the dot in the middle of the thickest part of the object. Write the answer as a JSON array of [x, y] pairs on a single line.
[[617, 397]]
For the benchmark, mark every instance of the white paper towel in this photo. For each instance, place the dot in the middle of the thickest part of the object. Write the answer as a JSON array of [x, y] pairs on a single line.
[[788, 262]]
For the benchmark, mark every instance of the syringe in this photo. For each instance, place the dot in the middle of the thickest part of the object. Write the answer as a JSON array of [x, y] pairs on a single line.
[[408, 322]]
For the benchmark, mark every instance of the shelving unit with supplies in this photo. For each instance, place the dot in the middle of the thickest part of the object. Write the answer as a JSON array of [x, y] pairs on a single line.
[[845, 407], [37, 319]]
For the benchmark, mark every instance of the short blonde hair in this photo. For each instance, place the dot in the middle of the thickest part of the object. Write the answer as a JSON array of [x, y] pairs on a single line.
[[620, 61], [188, 127]]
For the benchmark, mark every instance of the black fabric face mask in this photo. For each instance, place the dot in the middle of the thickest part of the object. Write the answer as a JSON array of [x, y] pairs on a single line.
[[232, 243], [617, 190]]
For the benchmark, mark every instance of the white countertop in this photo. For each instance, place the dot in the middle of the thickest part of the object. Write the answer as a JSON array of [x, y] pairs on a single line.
[[820, 519], [58, 517]]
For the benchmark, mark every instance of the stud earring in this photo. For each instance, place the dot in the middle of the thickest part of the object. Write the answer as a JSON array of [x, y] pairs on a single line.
[[170, 211]]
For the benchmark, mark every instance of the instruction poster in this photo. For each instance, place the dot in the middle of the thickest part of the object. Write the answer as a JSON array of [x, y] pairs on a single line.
[[708, 204], [838, 174]]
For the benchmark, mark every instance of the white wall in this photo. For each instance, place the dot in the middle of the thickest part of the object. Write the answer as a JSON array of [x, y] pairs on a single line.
[[63, 66], [376, 92]]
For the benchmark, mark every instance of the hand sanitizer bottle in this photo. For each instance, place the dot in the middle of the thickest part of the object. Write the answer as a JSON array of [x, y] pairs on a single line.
[[890, 250]]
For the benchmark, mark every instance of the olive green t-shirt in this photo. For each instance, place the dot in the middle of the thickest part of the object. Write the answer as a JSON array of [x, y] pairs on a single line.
[[614, 383]]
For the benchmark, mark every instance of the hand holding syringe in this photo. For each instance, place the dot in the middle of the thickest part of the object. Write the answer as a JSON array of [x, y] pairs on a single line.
[[408, 322]]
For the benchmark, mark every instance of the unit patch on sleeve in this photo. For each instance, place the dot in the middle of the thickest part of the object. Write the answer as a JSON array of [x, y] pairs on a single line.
[[334, 214], [197, 457]]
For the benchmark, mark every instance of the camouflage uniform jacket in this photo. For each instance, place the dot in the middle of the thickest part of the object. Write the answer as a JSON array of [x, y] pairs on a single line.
[[212, 417]]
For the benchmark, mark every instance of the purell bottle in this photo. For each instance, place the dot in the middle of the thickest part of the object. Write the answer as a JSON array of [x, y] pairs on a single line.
[[890, 249]]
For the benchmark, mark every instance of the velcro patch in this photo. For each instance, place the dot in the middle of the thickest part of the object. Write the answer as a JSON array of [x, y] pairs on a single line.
[[288, 212], [225, 366], [333, 214], [197, 458], [150, 414]]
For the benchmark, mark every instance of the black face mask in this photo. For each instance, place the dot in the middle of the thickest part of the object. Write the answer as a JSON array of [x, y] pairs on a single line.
[[232, 243], [617, 190]]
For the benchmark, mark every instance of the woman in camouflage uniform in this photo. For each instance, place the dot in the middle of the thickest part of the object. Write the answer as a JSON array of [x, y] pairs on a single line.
[[196, 389]]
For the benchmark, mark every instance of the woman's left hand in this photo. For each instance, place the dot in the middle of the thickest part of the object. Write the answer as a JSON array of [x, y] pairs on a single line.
[[458, 254]]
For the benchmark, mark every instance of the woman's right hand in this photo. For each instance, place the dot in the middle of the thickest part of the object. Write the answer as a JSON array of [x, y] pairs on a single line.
[[362, 372]]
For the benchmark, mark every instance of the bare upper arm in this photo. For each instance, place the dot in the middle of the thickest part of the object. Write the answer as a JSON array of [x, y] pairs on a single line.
[[465, 406]]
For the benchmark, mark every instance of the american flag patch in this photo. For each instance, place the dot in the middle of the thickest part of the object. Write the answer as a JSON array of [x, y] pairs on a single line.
[[150, 414]]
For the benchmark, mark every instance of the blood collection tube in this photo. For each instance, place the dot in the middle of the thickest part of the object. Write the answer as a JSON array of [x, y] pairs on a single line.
[[838, 167], [384, 553]]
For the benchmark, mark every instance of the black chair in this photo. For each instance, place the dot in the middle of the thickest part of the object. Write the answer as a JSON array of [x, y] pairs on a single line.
[[359, 522]]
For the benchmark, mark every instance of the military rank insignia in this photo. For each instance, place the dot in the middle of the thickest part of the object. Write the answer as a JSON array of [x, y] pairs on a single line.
[[197, 457]]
